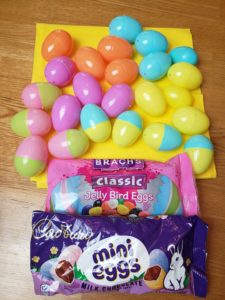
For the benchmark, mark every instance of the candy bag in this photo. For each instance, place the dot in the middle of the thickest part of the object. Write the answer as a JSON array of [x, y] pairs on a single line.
[[78, 254], [122, 187]]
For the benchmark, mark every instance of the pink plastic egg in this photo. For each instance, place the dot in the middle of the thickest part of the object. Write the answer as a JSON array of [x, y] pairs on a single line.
[[31, 156], [66, 112], [87, 88], [31, 122], [117, 99], [60, 71]]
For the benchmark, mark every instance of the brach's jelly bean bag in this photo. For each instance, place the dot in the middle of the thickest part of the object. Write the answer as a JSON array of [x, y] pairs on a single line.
[[81, 254], [122, 187]]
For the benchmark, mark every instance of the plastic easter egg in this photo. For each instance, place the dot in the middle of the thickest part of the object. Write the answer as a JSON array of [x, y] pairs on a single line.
[[158, 267], [177, 96], [87, 88], [200, 150], [46, 267], [112, 48], [40, 95], [57, 43], [127, 128], [121, 71], [60, 71], [66, 112], [162, 137], [31, 122], [185, 75], [117, 99], [154, 66], [150, 98], [151, 41], [95, 123], [190, 120], [68, 144], [90, 60], [31, 156], [125, 27], [184, 54]]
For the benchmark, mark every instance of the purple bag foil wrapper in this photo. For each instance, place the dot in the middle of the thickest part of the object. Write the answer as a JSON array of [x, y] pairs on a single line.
[[81, 254]]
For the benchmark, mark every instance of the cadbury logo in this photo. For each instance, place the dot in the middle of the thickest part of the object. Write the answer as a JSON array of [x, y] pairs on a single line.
[[128, 181]]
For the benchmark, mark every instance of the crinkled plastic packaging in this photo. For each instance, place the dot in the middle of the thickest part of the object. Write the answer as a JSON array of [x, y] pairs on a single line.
[[80, 254], [122, 187]]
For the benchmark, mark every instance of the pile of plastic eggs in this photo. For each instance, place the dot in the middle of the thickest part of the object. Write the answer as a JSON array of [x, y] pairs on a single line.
[[91, 108]]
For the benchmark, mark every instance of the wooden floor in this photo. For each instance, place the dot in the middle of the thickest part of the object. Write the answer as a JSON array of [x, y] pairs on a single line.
[[19, 197]]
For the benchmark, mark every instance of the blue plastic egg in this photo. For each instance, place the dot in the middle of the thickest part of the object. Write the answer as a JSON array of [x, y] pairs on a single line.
[[95, 123], [46, 267], [200, 150], [162, 137], [155, 65], [151, 41], [125, 27], [127, 128], [184, 54]]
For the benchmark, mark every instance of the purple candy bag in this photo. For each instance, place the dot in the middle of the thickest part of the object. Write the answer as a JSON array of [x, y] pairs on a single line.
[[81, 254]]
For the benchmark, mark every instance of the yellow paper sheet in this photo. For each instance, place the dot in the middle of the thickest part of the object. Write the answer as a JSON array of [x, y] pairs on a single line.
[[90, 36]]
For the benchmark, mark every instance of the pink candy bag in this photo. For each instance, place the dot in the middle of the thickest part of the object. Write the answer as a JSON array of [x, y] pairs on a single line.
[[122, 187]]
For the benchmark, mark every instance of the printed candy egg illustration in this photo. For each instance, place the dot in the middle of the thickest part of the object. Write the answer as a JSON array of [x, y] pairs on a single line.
[[162, 137], [155, 65], [90, 60], [117, 99], [121, 71], [150, 99], [70, 254], [185, 75], [190, 120], [87, 88], [112, 48], [60, 71], [47, 266], [67, 144], [125, 27], [184, 54], [31, 156], [66, 112], [127, 128], [31, 122], [95, 123], [158, 267], [177, 96], [57, 43], [200, 150], [40, 95], [150, 41]]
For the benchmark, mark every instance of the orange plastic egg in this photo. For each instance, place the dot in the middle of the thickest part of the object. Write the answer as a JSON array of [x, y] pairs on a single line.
[[121, 71], [112, 48], [90, 60], [57, 43]]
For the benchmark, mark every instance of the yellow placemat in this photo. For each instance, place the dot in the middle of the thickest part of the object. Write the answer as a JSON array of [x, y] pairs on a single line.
[[90, 36]]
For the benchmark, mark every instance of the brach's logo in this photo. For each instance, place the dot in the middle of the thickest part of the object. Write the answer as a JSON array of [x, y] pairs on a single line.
[[114, 260], [117, 164], [132, 181]]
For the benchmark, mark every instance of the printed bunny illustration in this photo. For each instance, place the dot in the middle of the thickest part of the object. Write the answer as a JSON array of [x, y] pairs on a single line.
[[174, 279]]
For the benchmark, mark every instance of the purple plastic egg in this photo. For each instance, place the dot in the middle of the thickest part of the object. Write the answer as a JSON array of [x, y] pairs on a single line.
[[87, 88], [60, 71], [117, 99], [66, 112]]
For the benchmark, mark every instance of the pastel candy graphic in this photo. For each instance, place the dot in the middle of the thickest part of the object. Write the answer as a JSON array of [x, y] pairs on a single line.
[[67, 144], [200, 150], [31, 156], [40, 95], [31, 122], [71, 254], [162, 137], [46, 267], [95, 123], [184, 54]]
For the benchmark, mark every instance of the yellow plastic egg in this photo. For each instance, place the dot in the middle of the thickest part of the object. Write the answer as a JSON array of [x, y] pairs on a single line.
[[185, 75], [190, 120], [150, 99], [177, 96]]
